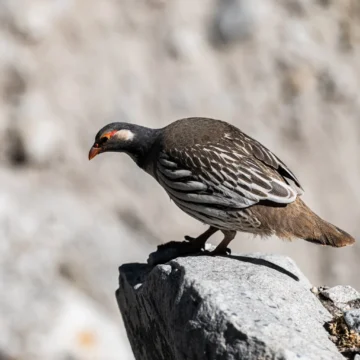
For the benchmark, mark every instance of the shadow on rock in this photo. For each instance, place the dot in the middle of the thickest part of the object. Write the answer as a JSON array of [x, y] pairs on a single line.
[[174, 249]]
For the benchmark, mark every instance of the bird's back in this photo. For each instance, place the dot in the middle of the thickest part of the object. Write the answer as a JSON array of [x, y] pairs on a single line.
[[196, 130], [194, 134]]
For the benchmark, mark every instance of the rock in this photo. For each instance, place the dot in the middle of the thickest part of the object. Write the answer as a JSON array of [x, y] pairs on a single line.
[[346, 340], [235, 307], [345, 318], [352, 319], [341, 294]]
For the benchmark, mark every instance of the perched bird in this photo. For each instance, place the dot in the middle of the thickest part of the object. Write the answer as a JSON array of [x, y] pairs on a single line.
[[223, 178]]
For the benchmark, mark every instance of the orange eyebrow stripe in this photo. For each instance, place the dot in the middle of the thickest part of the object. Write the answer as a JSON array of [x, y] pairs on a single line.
[[110, 134]]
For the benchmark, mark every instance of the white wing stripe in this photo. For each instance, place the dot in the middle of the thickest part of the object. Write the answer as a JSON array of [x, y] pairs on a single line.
[[183, 186], [241, 184], [234, 201], [174, 174], [168, 163]]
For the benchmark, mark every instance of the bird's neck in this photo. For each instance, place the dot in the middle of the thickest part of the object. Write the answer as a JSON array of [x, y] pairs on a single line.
[[144, 146]]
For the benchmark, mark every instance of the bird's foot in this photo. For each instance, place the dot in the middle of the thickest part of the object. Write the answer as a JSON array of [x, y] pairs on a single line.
[[196, 244], [221, 251], [189, 238]]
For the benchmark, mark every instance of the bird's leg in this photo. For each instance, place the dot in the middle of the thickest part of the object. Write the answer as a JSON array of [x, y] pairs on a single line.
[[221, 249], [199, 242]]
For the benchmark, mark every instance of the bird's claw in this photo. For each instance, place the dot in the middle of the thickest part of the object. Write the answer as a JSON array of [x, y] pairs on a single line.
[[220, 252]]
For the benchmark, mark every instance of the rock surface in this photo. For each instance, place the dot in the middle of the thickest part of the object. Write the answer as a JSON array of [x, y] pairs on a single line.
[[237, 307], [352, 319], [343, 303], [341, 294]]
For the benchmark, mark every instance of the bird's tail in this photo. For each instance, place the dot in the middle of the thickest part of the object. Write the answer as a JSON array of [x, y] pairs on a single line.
[[331, 235], [310, 227]]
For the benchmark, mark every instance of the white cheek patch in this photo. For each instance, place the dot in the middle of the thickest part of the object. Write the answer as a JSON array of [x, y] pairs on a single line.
[[125, 135]]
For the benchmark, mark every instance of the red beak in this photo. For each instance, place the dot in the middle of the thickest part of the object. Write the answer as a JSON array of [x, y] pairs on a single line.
[[93, 152]]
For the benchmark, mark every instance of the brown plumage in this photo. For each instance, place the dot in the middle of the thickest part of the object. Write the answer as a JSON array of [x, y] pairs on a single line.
[[222, 177], [296, 220]]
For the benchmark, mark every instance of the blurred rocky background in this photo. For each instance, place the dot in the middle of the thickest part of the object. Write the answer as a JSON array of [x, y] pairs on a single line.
[[285, 71]]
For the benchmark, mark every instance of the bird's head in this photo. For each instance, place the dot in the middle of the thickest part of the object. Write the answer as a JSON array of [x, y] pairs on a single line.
[[129, 138]]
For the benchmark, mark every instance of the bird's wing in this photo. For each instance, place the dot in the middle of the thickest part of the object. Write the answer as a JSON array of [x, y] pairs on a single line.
[[260, 152], [223, 175]]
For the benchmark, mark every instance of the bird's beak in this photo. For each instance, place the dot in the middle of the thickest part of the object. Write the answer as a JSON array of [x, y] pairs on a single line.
[[94, 151]]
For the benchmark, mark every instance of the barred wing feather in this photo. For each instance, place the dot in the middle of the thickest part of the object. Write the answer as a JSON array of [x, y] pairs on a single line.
[[260, 152], [220, 177]]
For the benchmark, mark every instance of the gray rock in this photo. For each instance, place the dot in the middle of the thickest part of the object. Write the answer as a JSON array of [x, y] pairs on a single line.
[[357, 357], [341, 294], [352, 319], [237, 307]]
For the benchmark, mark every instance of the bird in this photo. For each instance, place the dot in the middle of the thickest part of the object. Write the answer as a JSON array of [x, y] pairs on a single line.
[[222, 177]]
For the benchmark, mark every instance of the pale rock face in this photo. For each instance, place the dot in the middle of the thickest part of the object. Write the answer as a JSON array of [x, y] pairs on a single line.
[[285, 72], [247, 306]]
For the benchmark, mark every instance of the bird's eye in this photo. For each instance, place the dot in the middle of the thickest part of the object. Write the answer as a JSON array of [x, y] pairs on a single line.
[[103, 140]]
